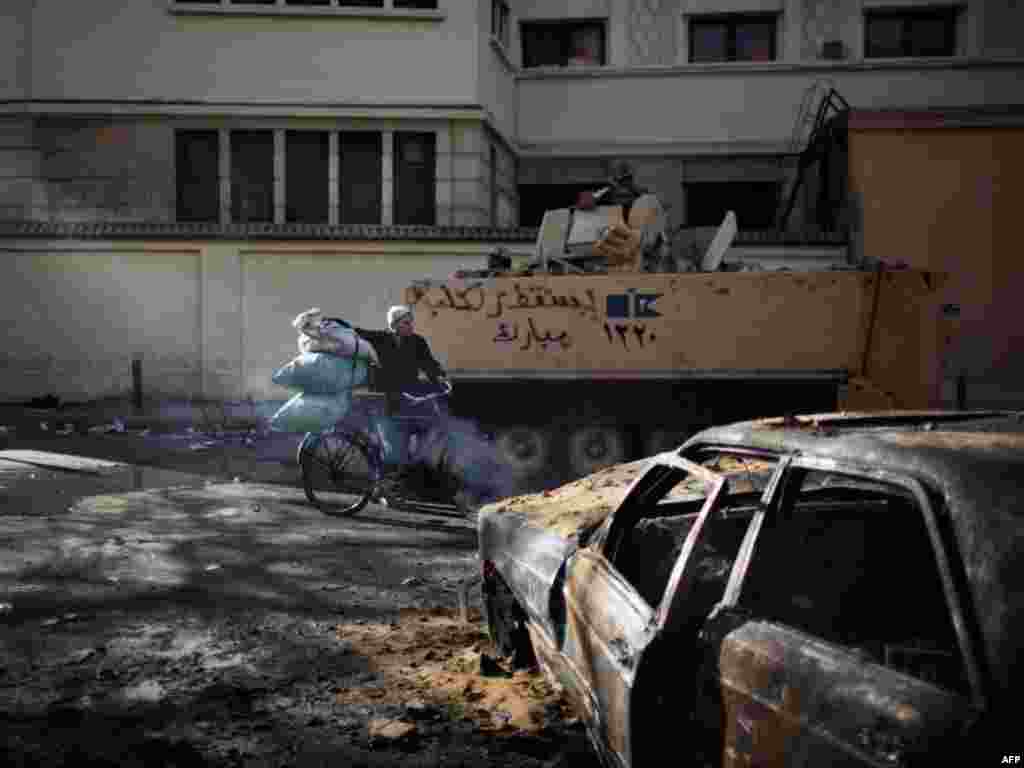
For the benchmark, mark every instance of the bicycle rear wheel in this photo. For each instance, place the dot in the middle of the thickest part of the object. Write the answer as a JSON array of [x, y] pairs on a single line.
[[339, 474]]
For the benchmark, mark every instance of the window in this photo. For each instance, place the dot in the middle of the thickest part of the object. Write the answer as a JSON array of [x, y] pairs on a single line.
[[306, 172], [910, 32], [648, 553], [197, 164], [252, 176], [420, 5], [415, 171], [359, 177], [732, 38], [563, 43], [823, 565], [755, 203], [500, 22]]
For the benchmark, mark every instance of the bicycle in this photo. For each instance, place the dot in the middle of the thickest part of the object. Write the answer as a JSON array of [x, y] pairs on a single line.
[[343, 466]]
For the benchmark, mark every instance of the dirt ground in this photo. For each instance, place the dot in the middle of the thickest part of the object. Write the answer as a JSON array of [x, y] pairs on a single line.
[[197, 621]]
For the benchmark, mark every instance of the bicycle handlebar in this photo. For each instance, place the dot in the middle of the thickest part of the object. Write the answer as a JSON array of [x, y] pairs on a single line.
[[446, 389]]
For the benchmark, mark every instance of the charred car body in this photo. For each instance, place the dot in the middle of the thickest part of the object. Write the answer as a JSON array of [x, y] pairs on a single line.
[[833, 590]]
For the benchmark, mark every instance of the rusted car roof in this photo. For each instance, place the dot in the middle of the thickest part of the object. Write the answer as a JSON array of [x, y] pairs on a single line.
[[972, 462]]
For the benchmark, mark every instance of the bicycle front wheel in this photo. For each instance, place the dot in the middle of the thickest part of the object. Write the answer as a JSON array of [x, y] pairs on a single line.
[[339, 474]]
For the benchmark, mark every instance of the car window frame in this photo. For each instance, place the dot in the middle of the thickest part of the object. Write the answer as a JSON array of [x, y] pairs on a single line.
[[794, 469]]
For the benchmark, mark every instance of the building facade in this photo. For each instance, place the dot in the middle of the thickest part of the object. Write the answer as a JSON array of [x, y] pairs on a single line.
[[154, 120], [455, 112]]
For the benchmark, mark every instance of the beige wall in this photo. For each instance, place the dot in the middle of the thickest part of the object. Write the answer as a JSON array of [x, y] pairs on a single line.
[[117, 50], [207, 319], [947, 199], [74, 315]]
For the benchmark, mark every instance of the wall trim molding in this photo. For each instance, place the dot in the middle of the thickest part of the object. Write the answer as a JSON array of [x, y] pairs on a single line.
[[160, 108], [770, 67]]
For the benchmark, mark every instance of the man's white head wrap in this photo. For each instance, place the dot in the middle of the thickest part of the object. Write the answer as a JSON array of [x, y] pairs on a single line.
[[396, 314]]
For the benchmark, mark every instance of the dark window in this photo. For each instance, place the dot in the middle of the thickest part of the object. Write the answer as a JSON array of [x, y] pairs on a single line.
[[422, 5], [754, 202], [306, 172], [732, 38], [822, 565], [359, 177], [307, 2], [500, 21], [649, 552], [415, 195], [561, 43], [197, 164], [910, 32], [361, 3], [252, 176], [253, 2], [536, 199]]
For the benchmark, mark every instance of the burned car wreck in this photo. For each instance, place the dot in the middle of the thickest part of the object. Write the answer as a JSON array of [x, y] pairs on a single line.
[[831, 590]]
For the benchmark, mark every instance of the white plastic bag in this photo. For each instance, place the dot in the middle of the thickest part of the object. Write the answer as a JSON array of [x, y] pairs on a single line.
[[318, 334]]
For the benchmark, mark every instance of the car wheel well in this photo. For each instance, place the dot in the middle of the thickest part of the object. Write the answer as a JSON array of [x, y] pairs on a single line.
[[506, 622]]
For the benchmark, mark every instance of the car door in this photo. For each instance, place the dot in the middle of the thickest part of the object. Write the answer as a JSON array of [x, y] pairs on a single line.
[[840, 640], [608, 623]]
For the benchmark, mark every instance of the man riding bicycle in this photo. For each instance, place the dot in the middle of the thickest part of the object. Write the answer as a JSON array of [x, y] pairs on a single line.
[[403, 355]]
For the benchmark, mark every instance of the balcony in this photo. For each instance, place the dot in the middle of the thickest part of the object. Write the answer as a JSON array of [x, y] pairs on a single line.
[[736, 108]]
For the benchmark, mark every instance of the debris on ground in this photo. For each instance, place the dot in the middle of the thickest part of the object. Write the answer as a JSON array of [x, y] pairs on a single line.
[[117, 425], [580, 504], [429, 665], [391, 730]]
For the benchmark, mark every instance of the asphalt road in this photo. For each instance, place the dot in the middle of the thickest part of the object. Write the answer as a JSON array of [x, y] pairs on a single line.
[[151, 612]]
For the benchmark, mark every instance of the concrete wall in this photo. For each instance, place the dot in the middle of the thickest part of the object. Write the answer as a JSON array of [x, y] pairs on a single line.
[[22, 192], [82, 169], [15, 32], [728, 109], [114, 50], [946, 199], [207, 319], [469, 144], [112, 170], [504, 195], [74, 315], [497, 84]]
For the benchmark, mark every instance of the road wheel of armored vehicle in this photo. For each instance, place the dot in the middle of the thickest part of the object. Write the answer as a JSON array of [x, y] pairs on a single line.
[[661, 440], [594, 448], [524, 450], [338, 474]]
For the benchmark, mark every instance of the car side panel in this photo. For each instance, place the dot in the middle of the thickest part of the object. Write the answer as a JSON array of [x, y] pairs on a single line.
[[608, 626], [784, 698]]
